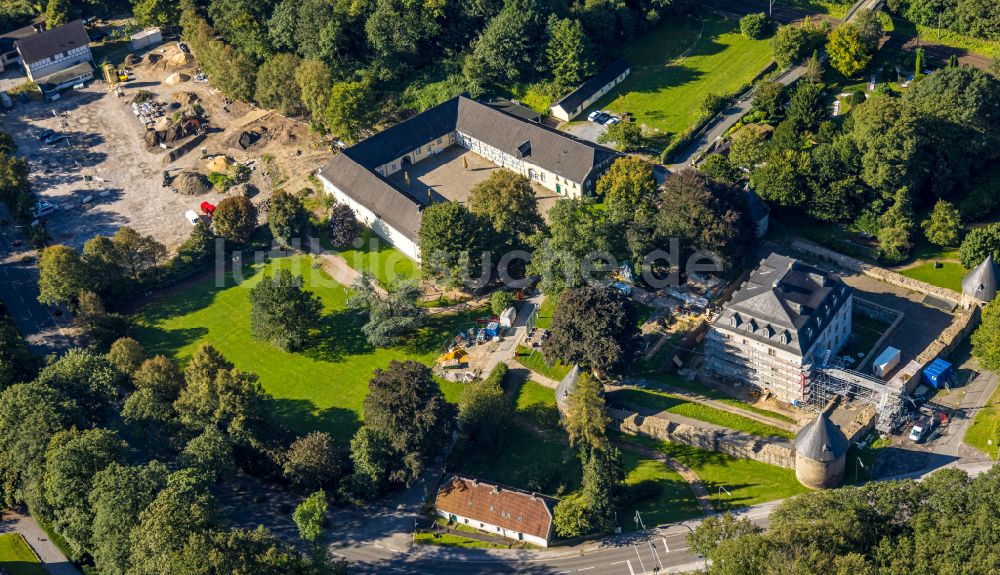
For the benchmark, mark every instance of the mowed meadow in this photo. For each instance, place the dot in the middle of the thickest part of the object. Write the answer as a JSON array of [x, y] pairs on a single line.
[[321, 387]]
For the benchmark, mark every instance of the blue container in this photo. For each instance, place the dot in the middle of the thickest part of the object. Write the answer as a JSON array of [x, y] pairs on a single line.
[[493, 329], [938, 374]]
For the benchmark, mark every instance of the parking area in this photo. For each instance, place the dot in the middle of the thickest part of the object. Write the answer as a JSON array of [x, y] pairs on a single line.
[[108, 172], [584, 129]]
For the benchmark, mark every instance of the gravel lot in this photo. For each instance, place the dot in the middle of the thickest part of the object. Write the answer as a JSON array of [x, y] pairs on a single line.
[[104, 176]]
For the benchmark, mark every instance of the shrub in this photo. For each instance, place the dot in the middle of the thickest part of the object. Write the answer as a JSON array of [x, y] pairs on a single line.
[[857, 97], [755, 26]]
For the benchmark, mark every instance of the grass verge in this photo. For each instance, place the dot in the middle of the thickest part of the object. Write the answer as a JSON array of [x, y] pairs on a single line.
[[678, 405], [374, 255], [16, 557], [674, 500], [985, 427]]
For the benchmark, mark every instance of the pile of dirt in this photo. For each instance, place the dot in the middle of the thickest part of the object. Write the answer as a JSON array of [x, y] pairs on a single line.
[[264, 131], [248, 139], [153, 58], [246, 189], [219, 164], [132, 59], [185, 98], [191, 184], [176, 78], [173, 132]]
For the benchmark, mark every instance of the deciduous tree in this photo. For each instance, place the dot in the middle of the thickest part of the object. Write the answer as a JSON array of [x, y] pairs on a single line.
[[943, 225], [392, 308], [594, 327], [507, 201], [978, 243], [62, 275], [312, 462], [127, 355], [586, 419], [848, 49], [120, 493], [273, 89], [484, 411], [89, 379], [628, 189], [343, 225], [452, 241], [235, 219]]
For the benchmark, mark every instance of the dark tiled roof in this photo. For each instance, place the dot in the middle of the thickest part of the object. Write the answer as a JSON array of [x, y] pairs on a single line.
[[981, 283], [8, 39], [51, 42], [821, 440], [64, 75], [515, 109], [405, 136], [375, 193], [510, 509], [573, 100], [784, 303], [352, 170], [551, 149]]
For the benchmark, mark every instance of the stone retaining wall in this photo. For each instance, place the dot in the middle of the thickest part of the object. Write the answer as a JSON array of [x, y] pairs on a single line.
[[773, 451], [962, 324], [881, 274]]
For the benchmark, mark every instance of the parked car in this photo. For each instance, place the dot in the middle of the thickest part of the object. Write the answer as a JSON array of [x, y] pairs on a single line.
[[192, 217], [183, 47], [921, 429], [43, 209], [54, 138], [45, 134], [611, 120], [593, 115], [602, 117]]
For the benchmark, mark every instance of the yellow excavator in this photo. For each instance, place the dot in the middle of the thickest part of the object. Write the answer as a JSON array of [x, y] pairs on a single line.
[[457, 354]]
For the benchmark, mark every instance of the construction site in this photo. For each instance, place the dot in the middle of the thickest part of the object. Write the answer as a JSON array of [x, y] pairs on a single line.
[[142, 144]]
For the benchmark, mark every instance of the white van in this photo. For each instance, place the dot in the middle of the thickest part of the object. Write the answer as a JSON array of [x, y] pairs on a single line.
[[192, 217]]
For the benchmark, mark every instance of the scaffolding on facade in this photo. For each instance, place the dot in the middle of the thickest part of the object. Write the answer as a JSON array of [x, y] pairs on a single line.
[[834, 380], [747, 365]]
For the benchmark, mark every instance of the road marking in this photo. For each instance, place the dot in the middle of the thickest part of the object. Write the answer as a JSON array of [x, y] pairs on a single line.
[[643, 567], [396, 550], [338, 554], [665, 546], [585, 568], [377, 545]]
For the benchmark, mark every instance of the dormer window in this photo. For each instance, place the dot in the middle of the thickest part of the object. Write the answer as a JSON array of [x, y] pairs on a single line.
[[736, 320]]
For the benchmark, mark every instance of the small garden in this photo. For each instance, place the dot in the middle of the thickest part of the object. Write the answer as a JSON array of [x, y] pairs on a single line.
[[16, 557]]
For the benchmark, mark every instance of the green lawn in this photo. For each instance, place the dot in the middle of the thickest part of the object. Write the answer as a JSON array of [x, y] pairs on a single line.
[[748, 482], [675, 501], [379, 257], [534, 361], [452, 540], [665, 93], [538, 404], [545, 312], [677, 405], [990, 49], [700, 389], [984, 427], [16, 558], [948, 276], [320, 387]]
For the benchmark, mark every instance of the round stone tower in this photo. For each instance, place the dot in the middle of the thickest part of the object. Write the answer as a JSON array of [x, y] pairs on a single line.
[[979, 286], [820, 454]]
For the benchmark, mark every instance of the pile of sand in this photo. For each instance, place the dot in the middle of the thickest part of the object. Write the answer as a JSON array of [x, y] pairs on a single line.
[[219, 164], [176, 78], [191, 184], [179, 59]]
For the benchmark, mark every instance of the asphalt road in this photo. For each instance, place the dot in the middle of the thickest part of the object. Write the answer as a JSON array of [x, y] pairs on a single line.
[[19, 291]]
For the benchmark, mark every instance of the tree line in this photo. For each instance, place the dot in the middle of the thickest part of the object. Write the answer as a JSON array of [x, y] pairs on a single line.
[[121, 454], [944, 524], [874, 169], [976, 18], [342, 64], [634, 218]]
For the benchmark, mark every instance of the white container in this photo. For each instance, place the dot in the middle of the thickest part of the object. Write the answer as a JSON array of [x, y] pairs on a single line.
[[885, 361]]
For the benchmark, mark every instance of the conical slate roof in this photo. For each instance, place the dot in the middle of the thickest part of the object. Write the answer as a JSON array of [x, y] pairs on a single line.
[[566, 387], [981, 282], [821, 440]]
